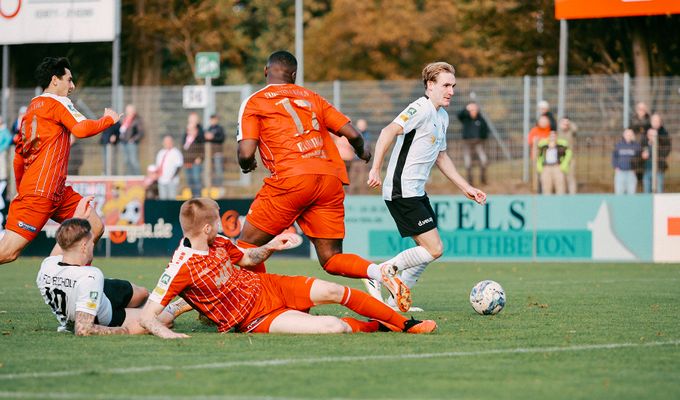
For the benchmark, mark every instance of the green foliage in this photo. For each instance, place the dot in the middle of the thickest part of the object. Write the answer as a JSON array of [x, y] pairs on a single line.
[[555, 307]]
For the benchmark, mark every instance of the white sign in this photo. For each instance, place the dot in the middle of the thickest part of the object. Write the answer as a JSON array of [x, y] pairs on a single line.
[[56, 21], [194, 96]]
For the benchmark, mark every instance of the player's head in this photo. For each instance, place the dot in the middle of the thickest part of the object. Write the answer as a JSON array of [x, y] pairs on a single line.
[[281, 67], [200, 217], [54, 75], [439, 80], [75, 236]]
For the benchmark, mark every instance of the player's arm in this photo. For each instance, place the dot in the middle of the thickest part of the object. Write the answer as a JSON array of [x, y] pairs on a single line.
[[385, 140], [149, 321], [246, 155], [356, 139], [80, 126], [256, 255], [445, 164], [85, 326]]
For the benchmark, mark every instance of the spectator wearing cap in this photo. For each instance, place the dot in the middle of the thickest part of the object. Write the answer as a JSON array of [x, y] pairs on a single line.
[[544, 109]]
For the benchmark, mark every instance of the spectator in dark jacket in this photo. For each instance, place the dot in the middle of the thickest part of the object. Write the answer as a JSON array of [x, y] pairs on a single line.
[[215, 136], [656, 136], [193, 151], [108, 140], [475, 133], [130, 133], [544, 109], [626, 151]]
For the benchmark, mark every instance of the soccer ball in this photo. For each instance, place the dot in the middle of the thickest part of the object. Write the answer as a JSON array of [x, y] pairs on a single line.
[[487, 298]]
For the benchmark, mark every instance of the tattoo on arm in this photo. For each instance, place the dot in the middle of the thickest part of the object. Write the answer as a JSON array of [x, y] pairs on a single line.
[[85, 326], [257, 255]]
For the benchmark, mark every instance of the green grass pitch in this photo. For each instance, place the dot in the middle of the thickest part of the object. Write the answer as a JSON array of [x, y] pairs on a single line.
[[569, 331]]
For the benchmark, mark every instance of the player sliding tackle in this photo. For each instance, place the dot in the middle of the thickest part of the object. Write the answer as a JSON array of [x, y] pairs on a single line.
[[42, 154], [291, 126], [204, 272], [420, 132]]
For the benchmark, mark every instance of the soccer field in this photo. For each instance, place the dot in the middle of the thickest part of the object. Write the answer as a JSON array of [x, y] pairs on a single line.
[[568, 331]]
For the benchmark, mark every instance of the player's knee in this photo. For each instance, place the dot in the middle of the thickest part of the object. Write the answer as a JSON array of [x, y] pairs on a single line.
[[139, 296], [8, 255], [333, 292], [435, 249], [334, 325]]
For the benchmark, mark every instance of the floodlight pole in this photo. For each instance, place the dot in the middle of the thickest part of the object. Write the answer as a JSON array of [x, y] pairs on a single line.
[[116, 95], [299, 42], [562, 77]]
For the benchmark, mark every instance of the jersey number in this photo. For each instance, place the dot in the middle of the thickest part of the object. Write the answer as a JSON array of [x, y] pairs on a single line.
[[285, 102], [57, 300]]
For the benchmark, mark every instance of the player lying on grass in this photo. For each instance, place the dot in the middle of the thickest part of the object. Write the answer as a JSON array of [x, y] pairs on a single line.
[[420, 134], [42, 153], [78, 293], [204, 272]]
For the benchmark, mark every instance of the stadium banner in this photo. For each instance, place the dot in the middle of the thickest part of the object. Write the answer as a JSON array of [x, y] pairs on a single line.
[[581, 9], [30, 21], [667, 228], [583, 227]]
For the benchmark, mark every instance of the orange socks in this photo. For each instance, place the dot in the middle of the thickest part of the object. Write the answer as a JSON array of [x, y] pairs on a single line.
[[257, 268], [349, 265], [362, 303], [361, 326]]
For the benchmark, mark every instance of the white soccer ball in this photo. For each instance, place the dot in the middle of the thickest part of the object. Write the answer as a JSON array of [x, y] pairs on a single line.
[[487, 298]]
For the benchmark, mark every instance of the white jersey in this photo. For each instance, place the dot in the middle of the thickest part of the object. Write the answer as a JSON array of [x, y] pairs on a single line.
[[416, 150], [71, 288]]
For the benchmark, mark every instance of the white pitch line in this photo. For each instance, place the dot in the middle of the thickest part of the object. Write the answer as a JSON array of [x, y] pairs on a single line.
[[102, 396], [340, 359]]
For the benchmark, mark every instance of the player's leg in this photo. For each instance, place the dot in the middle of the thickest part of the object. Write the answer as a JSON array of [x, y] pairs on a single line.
[[139, 296], [293, 321], [26, 217], [11, 246]]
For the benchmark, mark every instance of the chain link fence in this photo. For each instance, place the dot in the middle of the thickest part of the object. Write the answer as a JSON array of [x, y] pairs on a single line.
[[597, 104]]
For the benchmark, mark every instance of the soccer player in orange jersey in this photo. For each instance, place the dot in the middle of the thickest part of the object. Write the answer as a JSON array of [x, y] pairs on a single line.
[[291, 126], [42, 152], [204, 272]]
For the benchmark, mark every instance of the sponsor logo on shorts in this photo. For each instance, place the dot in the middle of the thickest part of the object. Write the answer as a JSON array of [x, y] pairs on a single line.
[[253, 324], [94, 295], [425, 221], [26, 226]]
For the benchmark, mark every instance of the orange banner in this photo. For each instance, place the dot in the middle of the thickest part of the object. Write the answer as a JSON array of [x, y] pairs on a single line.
[[579, 9]]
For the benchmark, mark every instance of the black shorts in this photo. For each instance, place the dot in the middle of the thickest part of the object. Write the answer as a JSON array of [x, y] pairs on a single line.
[[413, 215], [119, 293]]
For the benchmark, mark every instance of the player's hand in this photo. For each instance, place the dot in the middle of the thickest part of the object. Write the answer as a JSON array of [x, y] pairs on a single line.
[[250, 167], [366, 156], [114, 115], [374, 179], [475, 194], [84, 208], [173, 335], [285, 241]]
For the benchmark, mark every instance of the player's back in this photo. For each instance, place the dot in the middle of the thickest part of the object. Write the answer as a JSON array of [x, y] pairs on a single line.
[[61, 286], [292, 124], [44, 145], [210, 282]]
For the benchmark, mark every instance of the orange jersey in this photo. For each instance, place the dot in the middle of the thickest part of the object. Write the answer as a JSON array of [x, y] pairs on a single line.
[[292, 126], [43, 147], [210, 282]]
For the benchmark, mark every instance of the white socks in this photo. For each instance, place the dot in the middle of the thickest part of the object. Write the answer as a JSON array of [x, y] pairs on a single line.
[[374, 272], [412, 257], [411, 275]]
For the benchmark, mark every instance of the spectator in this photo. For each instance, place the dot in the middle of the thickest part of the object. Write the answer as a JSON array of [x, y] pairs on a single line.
[[193, 151], [475, 133], [215, 135], [131, 132], [567, 132], [151, 191], [625, 153], [362, 127], [5, 143], [169, 162], [537, 133], [76, 157], [108, 140], [16, 125], [656, 135], [544, 109], [640, 122], [552, 164]]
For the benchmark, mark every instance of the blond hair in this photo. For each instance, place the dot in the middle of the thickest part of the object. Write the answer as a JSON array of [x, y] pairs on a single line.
[[195, 213], [432, 71], [72, 231]]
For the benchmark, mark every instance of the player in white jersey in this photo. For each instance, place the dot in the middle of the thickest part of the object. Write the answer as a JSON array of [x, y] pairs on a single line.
[[78, 293], [420, 132]]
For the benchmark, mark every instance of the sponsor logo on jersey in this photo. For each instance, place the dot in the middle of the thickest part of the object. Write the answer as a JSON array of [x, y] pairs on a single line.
[[433, 139], [159, 291], [425, 221], [26, 226], [404, 117], [165, 279], [91, 305], [411, 111], [94, 295]]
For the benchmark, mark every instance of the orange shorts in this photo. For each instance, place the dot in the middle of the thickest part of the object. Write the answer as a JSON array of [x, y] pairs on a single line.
[[316, 202], [29, 213], [279, 294]]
